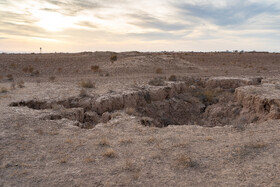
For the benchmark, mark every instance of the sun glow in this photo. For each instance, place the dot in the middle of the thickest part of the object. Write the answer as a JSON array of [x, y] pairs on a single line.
[[52, 21]]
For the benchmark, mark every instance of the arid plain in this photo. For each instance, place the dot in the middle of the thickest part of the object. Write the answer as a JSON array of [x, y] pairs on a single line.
[[140, 119]]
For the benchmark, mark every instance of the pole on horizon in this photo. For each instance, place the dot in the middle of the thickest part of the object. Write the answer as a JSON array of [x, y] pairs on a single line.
[[40, 50]]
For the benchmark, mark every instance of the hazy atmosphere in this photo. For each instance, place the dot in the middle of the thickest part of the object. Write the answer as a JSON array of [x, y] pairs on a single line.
[[126, 25]]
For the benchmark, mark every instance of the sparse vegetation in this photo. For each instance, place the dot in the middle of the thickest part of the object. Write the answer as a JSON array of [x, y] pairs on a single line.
[[10, 77], [104, 142], [87, 84], [20, 84], [4, 90], [130, 111], [172, 78], [52, 78], [157, 82], [125, 141], [109, 153], [113, 58], [158, 71], [83, 93], [94, 68], [184, 161]]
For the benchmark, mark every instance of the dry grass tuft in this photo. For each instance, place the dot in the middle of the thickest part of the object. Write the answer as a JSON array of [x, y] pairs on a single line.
[[87, 84], [209, 138], [10, 77], [125, 141], [109, 153], [172, 78], [83, 93], [20, 84], [95, 68], [4, 90], [158, 71], [63, 159], [157, 82], [184, 161], [104, 142], [113, 58], [130, 111], [89, 159], [69, 140], [52, 78]]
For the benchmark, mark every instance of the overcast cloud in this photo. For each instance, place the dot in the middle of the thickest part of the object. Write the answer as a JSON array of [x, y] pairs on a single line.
[[123, 25]]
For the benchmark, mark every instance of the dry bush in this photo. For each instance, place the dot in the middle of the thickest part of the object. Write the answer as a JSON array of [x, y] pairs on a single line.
[[20, 84], [63, 159], [209, 138], [69, 140], [28, 69], [13, 86], [209, 95], [130, 111], [35, 73], [87, 84], [94, 68], [13, 66], [10, 77], [113, 58], [125, 141], [52, 78], [157, 82], [172, 78], [158, 71], [59, 70], [4, 90], [83, 93], [104, 142], [184, 161], [109, 153], [89, 159]]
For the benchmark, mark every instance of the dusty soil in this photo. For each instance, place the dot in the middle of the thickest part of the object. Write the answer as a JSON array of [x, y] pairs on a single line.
[[215, 123]]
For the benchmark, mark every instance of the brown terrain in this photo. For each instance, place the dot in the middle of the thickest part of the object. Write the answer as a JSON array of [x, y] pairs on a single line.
[[140, 119]]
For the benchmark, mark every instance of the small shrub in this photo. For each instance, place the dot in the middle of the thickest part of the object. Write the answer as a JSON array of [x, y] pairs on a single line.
[[104, 142], [10, 77], [52, 78], [125, 141], [157, 82], [87, 84], [130, 111], [28, 69], [35, 73], [59, 70], [209, 95], [109, 153], [113, 58], [94, 68], [184, 161], [4, 90], [89, 159], [172, 78], [83, 93], [158, 70], [13, 66], [20, 84], [13, 86]]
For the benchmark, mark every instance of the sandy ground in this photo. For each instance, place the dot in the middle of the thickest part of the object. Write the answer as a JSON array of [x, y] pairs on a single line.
[[122, 152]]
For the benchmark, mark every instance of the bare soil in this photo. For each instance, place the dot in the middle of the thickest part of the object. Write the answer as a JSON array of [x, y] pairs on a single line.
[[83, 120]]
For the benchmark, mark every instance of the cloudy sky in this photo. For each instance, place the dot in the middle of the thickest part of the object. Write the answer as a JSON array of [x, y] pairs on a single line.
[[144, 25]]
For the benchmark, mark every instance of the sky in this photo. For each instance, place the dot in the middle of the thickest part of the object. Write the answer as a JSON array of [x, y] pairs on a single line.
[[143, 25]]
